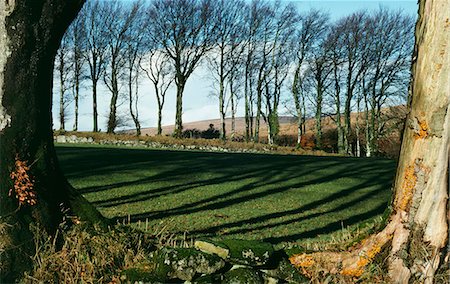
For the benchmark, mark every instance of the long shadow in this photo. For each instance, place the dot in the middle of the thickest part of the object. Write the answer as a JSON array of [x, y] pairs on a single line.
[[142, 196], [266, 176], [205, 204], [339, 208], [307, 207], [158, 192], [331, 227]]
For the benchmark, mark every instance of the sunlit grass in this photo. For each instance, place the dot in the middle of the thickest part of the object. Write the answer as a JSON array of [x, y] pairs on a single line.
[[276, 198]]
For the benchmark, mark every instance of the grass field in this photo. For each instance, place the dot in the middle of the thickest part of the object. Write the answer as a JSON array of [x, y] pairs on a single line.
[[276, 198]]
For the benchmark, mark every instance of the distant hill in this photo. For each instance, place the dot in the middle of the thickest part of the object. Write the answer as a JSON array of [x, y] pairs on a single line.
[[285, 122]]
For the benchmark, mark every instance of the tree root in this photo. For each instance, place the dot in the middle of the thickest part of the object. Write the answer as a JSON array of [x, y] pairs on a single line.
[[348, 263]]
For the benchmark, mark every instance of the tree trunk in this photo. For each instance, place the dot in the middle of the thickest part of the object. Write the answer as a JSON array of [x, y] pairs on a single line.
[[77, 99], [94, 105], [31, 32], [416, 236], [112, 120], [319, 117], [61, 69], [179, 111], [233, 111]]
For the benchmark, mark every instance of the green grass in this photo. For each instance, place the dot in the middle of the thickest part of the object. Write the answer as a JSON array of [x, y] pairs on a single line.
[[276, 198]]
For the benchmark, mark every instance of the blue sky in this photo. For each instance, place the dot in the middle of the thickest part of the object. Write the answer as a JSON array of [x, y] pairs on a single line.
[[198, 104]]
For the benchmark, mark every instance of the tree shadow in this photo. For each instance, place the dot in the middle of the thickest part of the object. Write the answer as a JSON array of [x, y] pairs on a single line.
[[248, 177]]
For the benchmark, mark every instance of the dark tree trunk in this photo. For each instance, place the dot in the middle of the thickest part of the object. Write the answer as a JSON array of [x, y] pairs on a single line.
[[179, 111], [31, 32]]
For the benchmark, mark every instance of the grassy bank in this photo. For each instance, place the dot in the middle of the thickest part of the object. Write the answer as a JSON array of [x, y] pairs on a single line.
[[276, 198]]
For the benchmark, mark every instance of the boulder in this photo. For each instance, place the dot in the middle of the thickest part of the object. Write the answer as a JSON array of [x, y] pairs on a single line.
[[246, 252], [61, 139], [286, 272], [242, 275], [185, 263]]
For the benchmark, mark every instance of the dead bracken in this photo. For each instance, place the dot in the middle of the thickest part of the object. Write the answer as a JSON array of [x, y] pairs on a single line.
[[23, 184]]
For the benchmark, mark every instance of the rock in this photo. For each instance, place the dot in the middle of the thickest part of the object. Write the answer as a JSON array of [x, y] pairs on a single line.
[[90, 140], [73, 139], [242, 275], [212, 247], [184, 263], [207, 279], [246, 252], [61, 139], [285, 271]]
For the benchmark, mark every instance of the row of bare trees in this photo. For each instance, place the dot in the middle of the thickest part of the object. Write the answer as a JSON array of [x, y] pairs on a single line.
[[259, 52]]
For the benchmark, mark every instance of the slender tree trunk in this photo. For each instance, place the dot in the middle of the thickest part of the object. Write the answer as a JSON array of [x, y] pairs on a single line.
[[319, 118], [25, 104], [77, 99], [367, 128], [416, 237], [233, 111], [222, 110], [112, 120], [179, 109], [94, 105], [62, 118], [134, 116]]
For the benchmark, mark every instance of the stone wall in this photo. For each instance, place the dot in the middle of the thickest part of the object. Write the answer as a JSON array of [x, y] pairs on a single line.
[[73, 139]]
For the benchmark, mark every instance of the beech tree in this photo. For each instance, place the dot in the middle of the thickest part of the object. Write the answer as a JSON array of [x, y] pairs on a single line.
[[77, 35], [95, 21], [158, 70], [229, 30], [312, 27], [32, 187], [185, 30], [63, 68], [416, 236]]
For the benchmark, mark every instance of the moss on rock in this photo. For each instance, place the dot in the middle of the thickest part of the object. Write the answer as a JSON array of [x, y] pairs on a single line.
[[242, 275], [185, 263]]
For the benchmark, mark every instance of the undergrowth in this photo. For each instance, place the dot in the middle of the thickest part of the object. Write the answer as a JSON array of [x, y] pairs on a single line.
[[87, 255], [200, 142]]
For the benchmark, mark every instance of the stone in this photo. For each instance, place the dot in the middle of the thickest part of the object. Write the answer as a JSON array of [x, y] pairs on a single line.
[[246, 252], [61, 139], [212, 247], [286, 272], [185, 263], [208, 279], [242, 275]]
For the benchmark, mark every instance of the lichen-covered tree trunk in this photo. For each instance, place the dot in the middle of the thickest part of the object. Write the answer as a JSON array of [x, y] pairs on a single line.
[[32, 187], [421, 185], [416, 236]]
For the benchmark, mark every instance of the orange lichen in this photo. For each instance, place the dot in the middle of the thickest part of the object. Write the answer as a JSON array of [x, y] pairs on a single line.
[[302, 260], [422, 132], [364, 259], [23, 184], [409, 182]]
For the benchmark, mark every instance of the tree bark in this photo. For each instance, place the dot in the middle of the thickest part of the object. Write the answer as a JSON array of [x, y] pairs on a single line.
[[179, 108], [416, 236], [31, 32]]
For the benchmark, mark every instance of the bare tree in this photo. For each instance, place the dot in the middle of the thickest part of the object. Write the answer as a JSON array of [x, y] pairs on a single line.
[[355, 57], [96, 17], [312, 26], [281, 42], [63, 66], [388, 74], [118, 27], [134, 53], [159, 71], [185, 30], [78, 37], [229, 22], [416, 235], [318, 80], [31, 32]]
